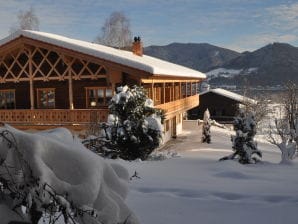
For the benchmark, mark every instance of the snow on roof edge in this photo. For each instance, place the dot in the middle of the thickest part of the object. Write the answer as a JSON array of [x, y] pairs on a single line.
[[230, 95], [145, 63]]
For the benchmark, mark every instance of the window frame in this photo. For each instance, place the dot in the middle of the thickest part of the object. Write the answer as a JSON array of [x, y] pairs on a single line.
[[105, 99], [38, 95], [14, 98]]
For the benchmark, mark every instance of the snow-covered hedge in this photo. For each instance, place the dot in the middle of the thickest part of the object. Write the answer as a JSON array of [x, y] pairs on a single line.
[[51, 173]]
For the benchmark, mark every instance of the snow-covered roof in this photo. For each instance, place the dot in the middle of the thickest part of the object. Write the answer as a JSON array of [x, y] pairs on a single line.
[[145, 63], [230, 95]]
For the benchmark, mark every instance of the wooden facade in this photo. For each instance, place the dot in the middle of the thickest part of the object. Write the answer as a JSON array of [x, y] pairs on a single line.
[[42, 85]]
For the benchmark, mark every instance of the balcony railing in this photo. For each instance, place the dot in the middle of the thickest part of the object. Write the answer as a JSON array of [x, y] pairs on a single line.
[[80, 117], [53, 117], [179, 105]]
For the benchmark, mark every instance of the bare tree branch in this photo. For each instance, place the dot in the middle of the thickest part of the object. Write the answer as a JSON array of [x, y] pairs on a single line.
[[27, 20], [116, 31]]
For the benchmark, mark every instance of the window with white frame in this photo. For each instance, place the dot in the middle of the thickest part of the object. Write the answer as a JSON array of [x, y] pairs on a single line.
[[98, 96]]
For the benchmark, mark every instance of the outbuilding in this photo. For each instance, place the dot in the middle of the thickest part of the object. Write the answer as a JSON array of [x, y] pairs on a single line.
[[222, 104]]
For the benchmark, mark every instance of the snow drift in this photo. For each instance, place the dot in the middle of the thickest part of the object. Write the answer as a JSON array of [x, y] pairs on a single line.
[[62, 162]]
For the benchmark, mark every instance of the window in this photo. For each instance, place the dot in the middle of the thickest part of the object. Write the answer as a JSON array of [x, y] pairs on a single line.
[[193, 88], [188, 89], [7, 99], [98, 96], [46, 98], [183, 89]]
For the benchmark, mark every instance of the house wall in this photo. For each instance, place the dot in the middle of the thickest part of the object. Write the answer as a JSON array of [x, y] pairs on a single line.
[[172, 127]]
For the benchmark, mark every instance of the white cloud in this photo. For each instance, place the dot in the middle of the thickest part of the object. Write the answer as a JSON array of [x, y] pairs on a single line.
[[284, 17], [253, 42]]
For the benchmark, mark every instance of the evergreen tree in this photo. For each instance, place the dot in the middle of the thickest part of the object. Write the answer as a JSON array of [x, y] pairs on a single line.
[[134, 127], [244, 145], [206, 136]]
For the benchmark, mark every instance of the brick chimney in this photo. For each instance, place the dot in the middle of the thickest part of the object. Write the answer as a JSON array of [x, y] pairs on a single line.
[[137, 46]]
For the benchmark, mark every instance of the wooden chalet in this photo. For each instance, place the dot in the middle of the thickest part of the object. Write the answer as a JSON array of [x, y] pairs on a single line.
[[47, 80]]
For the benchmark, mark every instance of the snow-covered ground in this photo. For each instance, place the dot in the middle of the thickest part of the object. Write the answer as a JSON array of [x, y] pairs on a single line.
[[227, 73], [197, 188], [192, 188]]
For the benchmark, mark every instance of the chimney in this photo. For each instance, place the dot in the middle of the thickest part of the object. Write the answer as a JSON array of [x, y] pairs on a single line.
[[137, 46]]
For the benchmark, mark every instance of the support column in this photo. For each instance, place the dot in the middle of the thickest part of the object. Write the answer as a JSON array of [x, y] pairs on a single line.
[[68, 61], [152, 92], [70, 90], [31, 81], [173, 92], [180, 90], [164, 92]]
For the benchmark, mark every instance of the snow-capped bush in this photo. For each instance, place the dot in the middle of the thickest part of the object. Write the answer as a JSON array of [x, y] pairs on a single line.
[[244, 146], [134, 126], [52, 174]]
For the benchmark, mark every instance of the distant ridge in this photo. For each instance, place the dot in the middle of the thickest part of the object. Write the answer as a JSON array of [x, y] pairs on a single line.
[[273, 64], [202, 57]]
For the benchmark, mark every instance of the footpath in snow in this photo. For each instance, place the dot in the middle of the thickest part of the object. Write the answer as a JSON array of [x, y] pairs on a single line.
[[197, 188]]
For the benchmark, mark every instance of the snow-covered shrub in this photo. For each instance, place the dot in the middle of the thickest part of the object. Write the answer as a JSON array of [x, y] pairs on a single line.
[[51, 174], [284, 138], [206, 135], [134, 126], [284, 132], [244, 146]]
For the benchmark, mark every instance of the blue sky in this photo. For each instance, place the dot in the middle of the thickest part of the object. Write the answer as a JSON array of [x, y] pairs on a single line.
[[236, 24]]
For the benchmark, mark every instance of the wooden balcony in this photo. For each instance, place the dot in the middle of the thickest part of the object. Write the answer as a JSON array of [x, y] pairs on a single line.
[[179, 106], [45, 118], [79, 119]]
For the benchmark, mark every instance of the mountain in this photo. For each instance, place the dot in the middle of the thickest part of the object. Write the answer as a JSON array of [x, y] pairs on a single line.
[[202, 57], [273, 64]]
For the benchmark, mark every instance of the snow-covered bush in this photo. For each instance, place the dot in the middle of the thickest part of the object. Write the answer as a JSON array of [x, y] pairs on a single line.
[[244, 146], [206, 135], [134, 126], [50, 174]]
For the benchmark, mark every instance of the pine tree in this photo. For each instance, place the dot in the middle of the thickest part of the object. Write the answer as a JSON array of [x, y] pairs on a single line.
[[206, 136], [134, 127], [244, 145]]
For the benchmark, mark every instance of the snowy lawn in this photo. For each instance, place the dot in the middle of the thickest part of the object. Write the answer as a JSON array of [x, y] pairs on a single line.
[[197, 188]]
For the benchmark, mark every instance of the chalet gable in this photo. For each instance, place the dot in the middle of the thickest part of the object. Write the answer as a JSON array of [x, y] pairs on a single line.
[[150, 65]]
